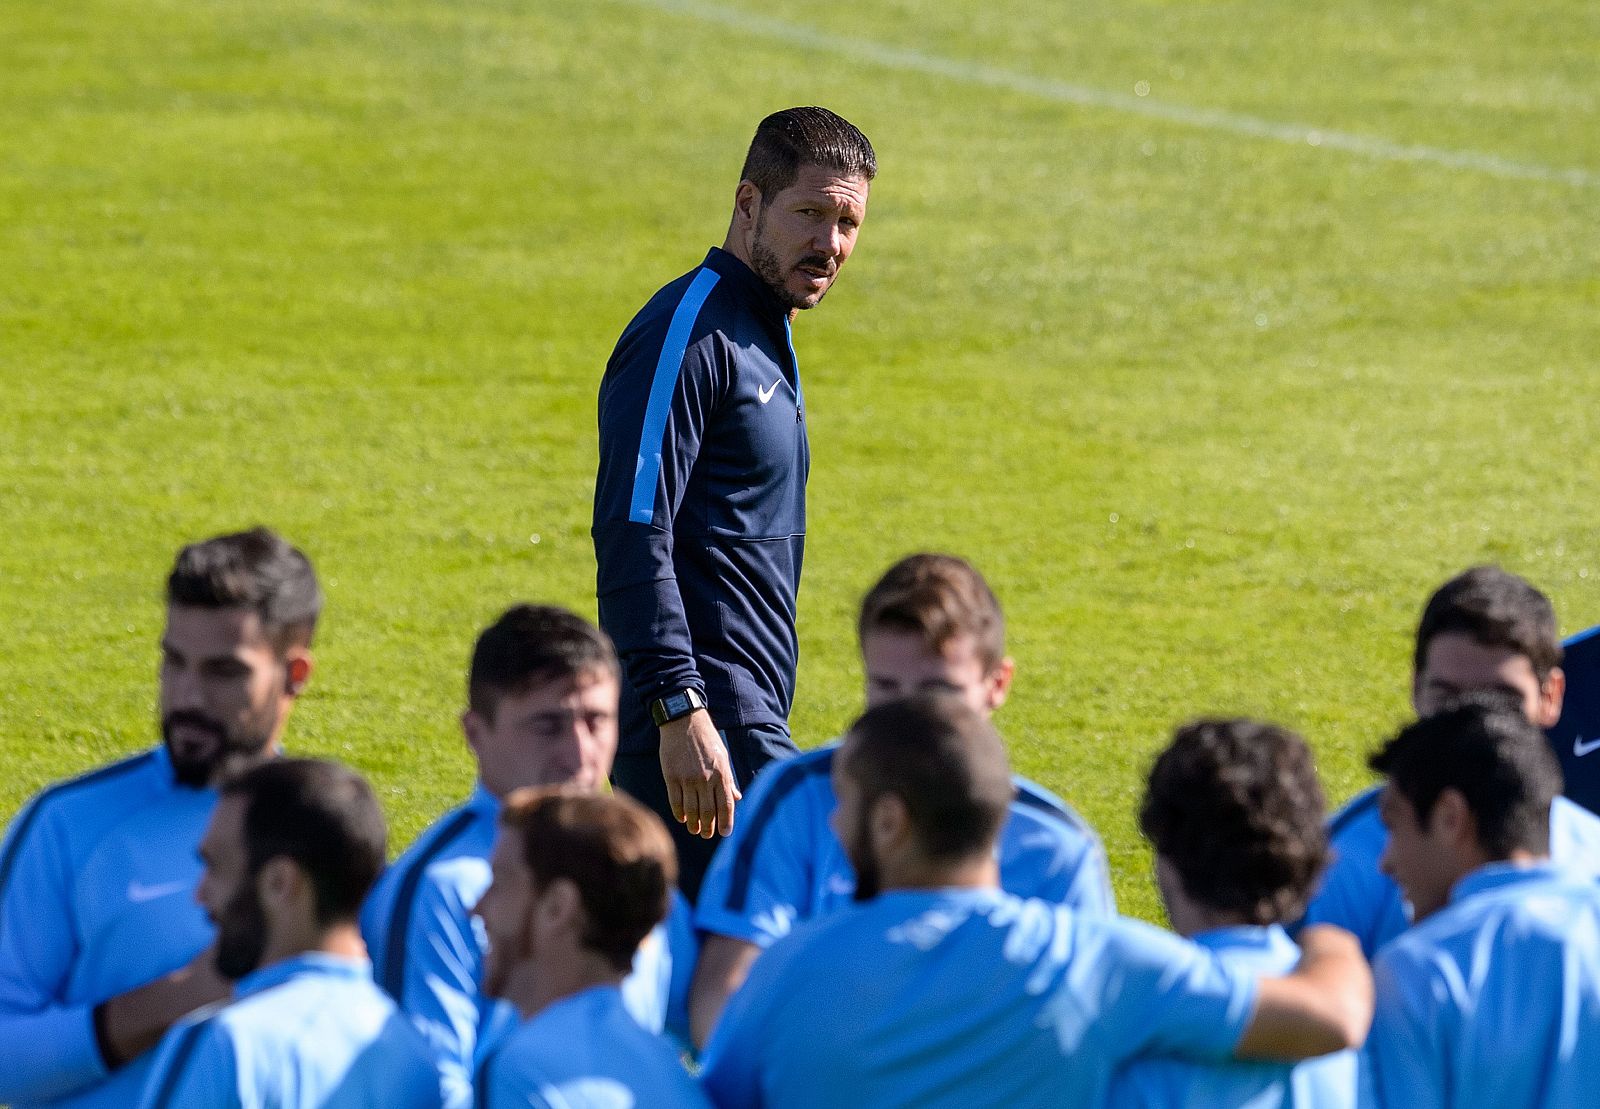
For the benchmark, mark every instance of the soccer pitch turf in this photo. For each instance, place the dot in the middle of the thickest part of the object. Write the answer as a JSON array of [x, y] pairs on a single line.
[[1216, 335]]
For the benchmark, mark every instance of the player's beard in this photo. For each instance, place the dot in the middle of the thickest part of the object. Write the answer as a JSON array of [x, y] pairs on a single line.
[[241, 933], [197, 766], [869, 879]]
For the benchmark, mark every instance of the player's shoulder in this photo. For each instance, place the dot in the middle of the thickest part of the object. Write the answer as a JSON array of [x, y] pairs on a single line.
[[86, 801], [1357, 821], [782, 785], [1037, 807]]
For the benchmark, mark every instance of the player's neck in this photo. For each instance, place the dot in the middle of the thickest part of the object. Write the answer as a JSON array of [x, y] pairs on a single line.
[[542, 981], [342, 939], [917, 873]]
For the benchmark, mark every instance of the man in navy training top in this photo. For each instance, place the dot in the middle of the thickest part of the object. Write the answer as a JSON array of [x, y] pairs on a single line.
[[1493, 997], [930, 623], [292, 848], [541, 710], [1235, 814], [940, 989], [579, 880], [1484, 630], [102, 946], [699, 508]]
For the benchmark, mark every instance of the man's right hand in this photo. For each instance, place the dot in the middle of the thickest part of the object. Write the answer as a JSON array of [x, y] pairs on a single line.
[[694, 763], [134, 1022]]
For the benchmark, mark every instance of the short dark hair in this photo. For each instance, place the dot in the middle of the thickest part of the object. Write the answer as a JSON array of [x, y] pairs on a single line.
[[1482, 746], [946, 764], [939, 597], [1494, 609], [256, 569], [796, 137], [531, 644], [615, 851], [321, 815], [1236, 808]]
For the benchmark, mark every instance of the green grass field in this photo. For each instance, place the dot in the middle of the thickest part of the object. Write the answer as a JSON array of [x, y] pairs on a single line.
[[1215, 333]]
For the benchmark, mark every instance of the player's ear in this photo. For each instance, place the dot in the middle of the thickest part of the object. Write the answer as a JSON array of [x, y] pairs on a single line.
[[997, 684], [1552, 692], [476, 729], [746, 205], [889, 821], [1452, 818], [297, 667], [279, 882]]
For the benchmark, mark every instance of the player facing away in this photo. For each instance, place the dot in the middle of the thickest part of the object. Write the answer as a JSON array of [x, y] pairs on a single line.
[[930, 623], [940, 989], [542, 692], [700, 494], [1235, 813], [1493, 997], [292, 848], [579, 880], [1483, 630], [102, 946]]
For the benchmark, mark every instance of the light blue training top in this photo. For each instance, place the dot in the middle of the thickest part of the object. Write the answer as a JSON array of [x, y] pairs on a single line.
[[1494, 1000], [311, 1032], [962, 997]]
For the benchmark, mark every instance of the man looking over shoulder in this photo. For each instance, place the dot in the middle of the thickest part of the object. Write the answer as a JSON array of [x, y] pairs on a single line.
[[940, 989], [1493, 997], [579, 881], [1483, 631], [541, 711], [292, 849], [699, 510], [930, 624], [102, 946], [1234, 811]]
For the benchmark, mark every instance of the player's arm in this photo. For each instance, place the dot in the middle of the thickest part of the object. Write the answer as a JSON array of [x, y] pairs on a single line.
[[1324, 1005], [196, 1068], [655, 403], [725, 963], [52, 1048]]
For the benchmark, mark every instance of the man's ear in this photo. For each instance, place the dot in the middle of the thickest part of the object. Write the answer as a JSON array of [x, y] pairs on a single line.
[[280, 883], [1452, 819], [997, 684], [1552, 692], [476, 729], [297, 667], [888, 822], [560, 905], [746, 205]]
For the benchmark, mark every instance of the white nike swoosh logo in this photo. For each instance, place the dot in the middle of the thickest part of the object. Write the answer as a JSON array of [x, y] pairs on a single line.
[[766, 394], [1580, 748], [139, 893]]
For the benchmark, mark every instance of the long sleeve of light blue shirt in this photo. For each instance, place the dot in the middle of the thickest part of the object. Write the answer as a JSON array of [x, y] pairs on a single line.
[[48, 1046], [196, 1068]]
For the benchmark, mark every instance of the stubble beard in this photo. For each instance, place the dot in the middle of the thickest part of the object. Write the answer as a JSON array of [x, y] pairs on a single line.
[[769, 268]]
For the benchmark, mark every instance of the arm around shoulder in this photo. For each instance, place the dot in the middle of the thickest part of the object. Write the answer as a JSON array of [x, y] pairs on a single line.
[[1324, 1005]]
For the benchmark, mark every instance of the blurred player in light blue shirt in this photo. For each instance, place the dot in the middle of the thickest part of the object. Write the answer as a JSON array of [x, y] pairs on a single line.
[[930, 623], [102, 946], [292, 849], [1493, 997], [1234, 812], [943, 990], [580, 879], [542, 692], [1483, 630]]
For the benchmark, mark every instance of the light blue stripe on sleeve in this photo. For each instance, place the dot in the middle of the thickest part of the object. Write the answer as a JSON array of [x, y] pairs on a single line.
[[641, 509]]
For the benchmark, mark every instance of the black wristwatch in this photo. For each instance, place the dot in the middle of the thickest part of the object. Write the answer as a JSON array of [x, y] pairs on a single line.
[[675, 706]]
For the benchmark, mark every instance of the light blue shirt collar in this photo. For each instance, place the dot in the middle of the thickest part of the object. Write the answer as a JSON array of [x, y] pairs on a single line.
[[1236, 936], [311, 962], [483, 802], [1496, 875]]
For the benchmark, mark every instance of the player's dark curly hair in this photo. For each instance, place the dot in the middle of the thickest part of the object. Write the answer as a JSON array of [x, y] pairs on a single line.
[[796, 137], [1493, 608], [1236, 809]]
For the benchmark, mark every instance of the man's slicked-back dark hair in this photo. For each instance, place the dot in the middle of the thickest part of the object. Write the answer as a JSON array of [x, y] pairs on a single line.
[[946, 764], [938, 597], [1493, 608], [614, 850], [531, 644], [1483, 747], [256, 569], [321, 815], [1236, 808], [796, 137]]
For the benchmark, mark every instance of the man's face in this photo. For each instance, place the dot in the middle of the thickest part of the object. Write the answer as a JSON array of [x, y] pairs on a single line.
[[849, 820], [805, 233], [559, 732], [224, 690], [900, 664], [1454, 663], [1419, 858], [228, 892], [506, 909]]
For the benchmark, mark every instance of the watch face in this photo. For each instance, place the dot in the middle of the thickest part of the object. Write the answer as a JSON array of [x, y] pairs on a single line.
[[677, 705]]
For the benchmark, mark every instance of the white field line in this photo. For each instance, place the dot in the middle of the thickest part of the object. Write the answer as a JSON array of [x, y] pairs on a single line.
[[1064, 92]]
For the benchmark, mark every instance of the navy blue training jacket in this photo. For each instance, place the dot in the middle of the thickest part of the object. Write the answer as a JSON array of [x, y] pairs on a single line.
[[699, 504]]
